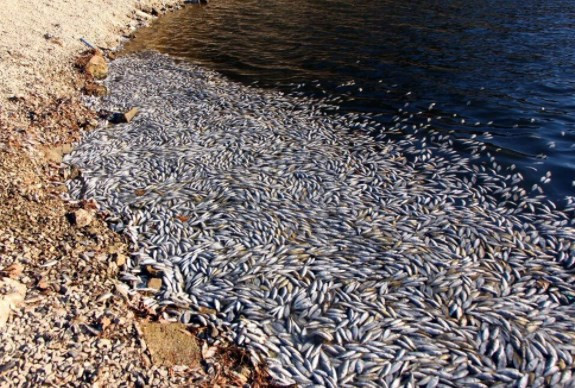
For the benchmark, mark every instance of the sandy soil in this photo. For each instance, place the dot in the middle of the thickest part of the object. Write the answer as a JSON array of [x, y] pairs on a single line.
[[39, 38]]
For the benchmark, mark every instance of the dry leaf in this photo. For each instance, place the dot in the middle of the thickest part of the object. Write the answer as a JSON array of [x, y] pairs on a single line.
[[140, 192], [183, 218]]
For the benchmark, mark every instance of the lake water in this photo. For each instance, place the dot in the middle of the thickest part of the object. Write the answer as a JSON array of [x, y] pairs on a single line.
[[502, 72]]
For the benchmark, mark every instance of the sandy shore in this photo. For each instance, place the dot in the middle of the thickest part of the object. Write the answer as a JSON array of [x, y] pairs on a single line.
[[64, 318], [38, 40]]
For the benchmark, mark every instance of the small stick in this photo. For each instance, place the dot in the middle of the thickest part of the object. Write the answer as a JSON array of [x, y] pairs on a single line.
[[89, 44]]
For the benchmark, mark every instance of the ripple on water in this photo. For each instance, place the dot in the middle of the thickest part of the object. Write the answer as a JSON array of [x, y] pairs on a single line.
[[495, 64]]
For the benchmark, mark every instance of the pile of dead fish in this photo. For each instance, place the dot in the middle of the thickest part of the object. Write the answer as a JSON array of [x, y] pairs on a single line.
[[337, 258]]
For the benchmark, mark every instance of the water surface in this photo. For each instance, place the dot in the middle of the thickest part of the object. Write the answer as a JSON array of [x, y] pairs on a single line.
[[506, 68]]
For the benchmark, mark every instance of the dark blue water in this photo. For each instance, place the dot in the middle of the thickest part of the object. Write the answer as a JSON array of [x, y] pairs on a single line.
[[506, 68]]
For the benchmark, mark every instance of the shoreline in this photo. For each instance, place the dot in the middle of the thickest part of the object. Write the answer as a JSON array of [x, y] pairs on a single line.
[[65, 317], [335, 255], [380, 242]]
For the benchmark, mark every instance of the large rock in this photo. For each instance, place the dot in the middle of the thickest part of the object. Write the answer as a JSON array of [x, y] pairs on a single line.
[[12, 294], [155, 283], [81, 217], [171, 344], [117, 118], [52, 154], [97, 67], [55, 153]]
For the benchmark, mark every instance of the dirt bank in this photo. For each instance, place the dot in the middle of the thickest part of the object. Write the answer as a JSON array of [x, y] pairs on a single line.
[[64, 318]]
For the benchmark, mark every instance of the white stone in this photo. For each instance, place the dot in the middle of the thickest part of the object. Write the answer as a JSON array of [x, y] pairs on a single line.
[[10, 300]]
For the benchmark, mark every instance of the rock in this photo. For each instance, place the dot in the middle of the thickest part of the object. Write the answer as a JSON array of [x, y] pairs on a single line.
[[146, 361], [81, 218], [152, 271], [90, 204], [104, 343], [12, 294], [95, 89], [126, 117], [120, 259], [75, 172], [49, 37], [13, 271], [142, 15], [105, 322], [155, 283], [171, 344], [17, 98], [129, 115], [43, 284], [97, 67], [52, 154], [112, 269], [66, 148], [55, 153], [7, 366], [208, 351]]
